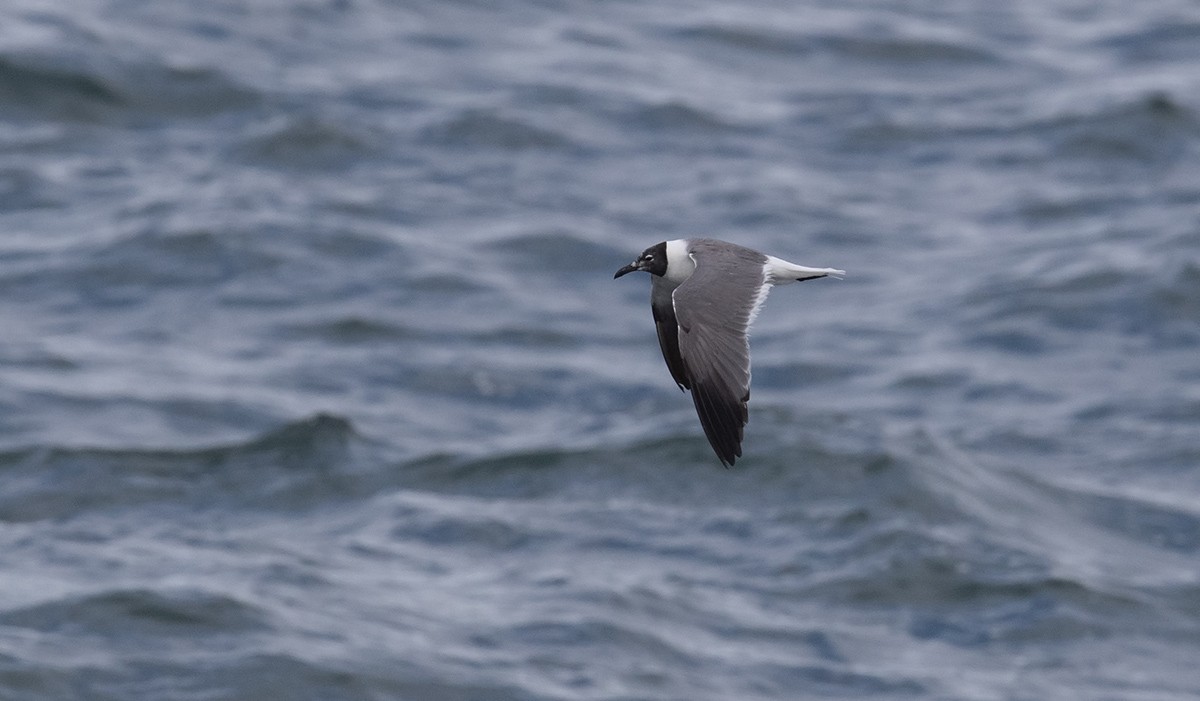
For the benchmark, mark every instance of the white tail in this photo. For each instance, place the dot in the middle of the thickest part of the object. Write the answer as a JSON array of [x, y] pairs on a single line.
[[781, 272]]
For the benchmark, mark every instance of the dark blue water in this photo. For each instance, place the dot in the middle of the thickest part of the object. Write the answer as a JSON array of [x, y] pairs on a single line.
[[315, 383]]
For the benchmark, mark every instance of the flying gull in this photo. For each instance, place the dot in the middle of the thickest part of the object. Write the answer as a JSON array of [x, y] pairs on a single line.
[[704, 294]]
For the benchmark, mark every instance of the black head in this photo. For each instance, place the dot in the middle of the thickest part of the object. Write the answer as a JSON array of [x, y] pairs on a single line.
[[653, 260]]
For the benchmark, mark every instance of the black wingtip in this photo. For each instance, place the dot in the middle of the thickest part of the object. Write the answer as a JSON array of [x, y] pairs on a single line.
[[727, 454], [721, 424]]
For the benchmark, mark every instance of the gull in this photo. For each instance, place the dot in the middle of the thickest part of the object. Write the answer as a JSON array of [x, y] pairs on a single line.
[[704, 295]]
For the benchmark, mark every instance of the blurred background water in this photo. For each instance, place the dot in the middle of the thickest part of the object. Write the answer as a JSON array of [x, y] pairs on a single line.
[[315, 383]]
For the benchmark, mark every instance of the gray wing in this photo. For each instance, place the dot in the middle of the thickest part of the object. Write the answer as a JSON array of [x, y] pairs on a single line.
[[713, 309]]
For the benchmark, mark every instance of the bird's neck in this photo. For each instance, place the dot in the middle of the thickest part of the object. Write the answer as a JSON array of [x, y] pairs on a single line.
[[680, 264]]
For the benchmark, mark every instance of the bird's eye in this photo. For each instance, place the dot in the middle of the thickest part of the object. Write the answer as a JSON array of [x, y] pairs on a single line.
[[648, 257]]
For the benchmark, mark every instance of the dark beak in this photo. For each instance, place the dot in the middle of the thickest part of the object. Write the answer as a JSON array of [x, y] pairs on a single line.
[[632, 267]]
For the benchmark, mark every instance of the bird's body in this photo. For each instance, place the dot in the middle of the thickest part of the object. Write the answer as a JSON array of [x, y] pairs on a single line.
[[704, 295]]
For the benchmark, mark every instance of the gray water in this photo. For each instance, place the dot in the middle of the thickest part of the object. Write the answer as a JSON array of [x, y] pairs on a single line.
[[315, 382]]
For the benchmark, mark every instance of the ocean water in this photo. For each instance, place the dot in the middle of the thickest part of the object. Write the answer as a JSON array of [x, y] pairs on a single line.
[[315, 382]]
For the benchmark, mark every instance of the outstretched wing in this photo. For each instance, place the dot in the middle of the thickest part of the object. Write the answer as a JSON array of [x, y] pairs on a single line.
[[713, 309]]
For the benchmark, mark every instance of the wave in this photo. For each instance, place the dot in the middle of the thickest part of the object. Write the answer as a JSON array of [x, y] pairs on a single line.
[[645, 547], [135, 612], [1153, 43], [297, 466], [677, 117], [848, 46], [486, 128], [75, 88], [308, 141], [1149, 128], [137, 267], [66, 91], [1117, 542], [1069, 129], [1092, 293], [917, 503]]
